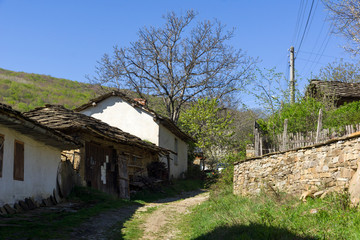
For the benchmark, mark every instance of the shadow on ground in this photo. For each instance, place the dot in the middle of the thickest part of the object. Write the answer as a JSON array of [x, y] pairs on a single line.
[[180, 196], [252, 232]]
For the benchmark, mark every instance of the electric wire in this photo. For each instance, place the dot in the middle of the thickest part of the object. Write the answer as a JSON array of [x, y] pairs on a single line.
[[299, 16], [306, 25]]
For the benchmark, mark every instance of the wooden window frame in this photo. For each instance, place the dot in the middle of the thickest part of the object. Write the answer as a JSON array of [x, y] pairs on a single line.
[[19, 158], [2, 137]]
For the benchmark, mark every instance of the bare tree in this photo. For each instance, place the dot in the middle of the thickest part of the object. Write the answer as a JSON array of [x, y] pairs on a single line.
[[340, 71], [179, 62], [346, 18]]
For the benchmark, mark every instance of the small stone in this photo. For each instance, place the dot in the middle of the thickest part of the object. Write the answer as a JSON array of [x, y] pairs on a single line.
[[23, 205], [306, 194], [313, 211], [318, 194], [56, 196], [9, 209], [30, 203], [3, 211], [18, 208]]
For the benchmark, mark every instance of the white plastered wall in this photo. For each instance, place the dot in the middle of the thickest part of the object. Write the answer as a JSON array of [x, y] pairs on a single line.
[[167, 140], [118, 113], [40, 169]]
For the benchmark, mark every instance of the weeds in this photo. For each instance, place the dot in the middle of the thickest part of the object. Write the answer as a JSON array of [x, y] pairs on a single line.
[[275, 216]]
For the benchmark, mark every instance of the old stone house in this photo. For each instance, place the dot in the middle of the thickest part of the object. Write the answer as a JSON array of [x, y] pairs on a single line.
[[119, 110], [109, 157], [30, 154]]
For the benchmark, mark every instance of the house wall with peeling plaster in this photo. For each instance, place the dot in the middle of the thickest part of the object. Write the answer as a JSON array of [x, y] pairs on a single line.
[[40, 169]]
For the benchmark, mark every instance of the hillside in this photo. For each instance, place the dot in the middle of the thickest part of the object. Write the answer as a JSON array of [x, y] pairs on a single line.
[[25, 91]]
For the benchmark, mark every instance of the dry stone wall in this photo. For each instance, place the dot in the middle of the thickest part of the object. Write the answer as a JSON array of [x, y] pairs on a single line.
[[320, 168]]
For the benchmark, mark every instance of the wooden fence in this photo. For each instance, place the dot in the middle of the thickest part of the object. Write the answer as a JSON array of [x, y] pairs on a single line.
[[287, 141]]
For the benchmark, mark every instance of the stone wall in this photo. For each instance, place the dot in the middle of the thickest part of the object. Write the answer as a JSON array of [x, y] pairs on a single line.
[[320, 168]]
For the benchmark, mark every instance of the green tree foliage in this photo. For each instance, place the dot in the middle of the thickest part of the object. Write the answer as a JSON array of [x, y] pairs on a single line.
[[210, 126], [302, 117], [347, 114]]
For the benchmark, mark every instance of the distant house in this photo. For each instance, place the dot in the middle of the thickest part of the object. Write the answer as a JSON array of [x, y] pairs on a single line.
[[117, 109], [337, 92], [30, 154], [107, 151]]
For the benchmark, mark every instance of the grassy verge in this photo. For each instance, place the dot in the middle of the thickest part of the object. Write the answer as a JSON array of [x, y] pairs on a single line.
[[226, 216], [58, 224]]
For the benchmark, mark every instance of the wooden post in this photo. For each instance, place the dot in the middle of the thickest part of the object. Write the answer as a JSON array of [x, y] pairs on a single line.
[[319, 127], [284, 143], [257, 140], [292, 76]]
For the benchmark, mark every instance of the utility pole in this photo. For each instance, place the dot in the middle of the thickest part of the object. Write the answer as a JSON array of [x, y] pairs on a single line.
[[292, 76]]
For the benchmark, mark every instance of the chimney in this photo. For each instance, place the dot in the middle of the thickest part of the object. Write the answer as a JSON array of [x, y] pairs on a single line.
[[141, 101]]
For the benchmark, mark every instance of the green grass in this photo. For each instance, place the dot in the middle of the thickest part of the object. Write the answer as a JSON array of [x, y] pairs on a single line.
[[59, 224], [93, 202], [226, 216], [131, 230]]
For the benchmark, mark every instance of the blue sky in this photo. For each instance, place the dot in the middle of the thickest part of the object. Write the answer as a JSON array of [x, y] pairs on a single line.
[[66, 38]]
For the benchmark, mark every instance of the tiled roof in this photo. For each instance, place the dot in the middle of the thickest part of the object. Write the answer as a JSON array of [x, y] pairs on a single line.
[[60, 118], [17, 121], [339, 89]]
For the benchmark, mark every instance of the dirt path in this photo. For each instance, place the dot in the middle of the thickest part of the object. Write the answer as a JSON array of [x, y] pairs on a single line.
[[161, 224], [157, 225]]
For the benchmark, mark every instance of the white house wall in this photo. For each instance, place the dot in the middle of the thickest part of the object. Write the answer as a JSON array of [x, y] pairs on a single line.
[[167, 140], [118, 113], [40, 169]]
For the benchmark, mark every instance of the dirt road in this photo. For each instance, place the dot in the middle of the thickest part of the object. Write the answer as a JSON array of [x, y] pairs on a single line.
[[161, 224]]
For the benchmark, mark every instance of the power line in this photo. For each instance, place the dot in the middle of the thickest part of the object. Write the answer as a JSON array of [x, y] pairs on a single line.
[[327, 39], [318, 54], [299, 16], [306, 25], [311, 20], [307, 60]]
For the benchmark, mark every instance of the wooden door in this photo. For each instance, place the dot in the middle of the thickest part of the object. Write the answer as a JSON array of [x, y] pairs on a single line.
[[98, 172]]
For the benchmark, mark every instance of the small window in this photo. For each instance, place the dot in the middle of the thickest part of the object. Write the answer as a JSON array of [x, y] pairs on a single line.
[[2, 140], [19, 161]]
